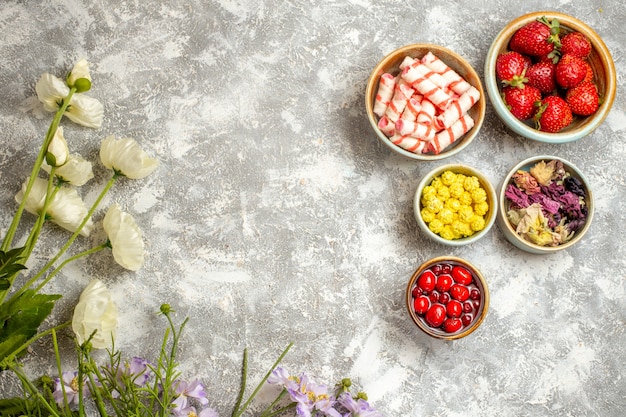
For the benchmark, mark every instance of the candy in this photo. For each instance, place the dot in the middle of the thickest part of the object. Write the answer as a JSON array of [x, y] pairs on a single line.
[[456, 82], [425, 108], [446, 137], [384, 94], [401, 94], [458, 108]]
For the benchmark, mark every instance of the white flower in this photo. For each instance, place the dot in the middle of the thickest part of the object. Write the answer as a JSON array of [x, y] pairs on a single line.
[[80, 77], [126, 157], [95, 311], [66, 209], [58, 152], [76, 171], [84, 110], [125, 238]]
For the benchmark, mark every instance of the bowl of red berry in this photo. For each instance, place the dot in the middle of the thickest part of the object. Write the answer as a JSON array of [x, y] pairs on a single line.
[[550, 77], [546, 205], [425, 102], [447, 297]]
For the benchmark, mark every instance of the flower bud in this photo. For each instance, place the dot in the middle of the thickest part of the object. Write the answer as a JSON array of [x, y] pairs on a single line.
[[58, 152], [79, 77], [165, 309], [346, 382], [362, 396]]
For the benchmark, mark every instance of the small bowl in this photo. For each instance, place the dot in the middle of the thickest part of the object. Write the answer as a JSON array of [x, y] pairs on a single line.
[[475, 316], [600, 60], [390, 64], [509, 229], [489, 217]]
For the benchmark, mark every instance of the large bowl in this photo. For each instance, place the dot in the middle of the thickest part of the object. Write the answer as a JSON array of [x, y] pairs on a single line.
[[509, 230], [390, 64], [600, 60], [491, 199], [477, 313]]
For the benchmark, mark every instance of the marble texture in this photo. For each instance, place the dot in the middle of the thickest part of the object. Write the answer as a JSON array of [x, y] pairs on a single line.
[[277, 216]]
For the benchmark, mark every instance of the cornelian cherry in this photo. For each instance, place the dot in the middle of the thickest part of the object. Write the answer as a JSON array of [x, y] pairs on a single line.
[[426, 281], [459, 292], [454, 309], [461, 275], [452, 325], [444, 282], [436, 315], [421, 305]]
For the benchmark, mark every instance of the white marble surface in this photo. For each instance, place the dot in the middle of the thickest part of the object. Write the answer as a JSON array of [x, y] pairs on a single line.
[[277, 216]]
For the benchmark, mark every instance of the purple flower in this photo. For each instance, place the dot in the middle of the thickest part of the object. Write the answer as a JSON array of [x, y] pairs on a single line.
[[137, 369], [186, 390], [358, 407], [192, 412], [308, 396], [69, 380]]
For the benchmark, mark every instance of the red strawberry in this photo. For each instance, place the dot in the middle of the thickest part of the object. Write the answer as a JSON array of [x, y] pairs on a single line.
[[536, 38], [570, 71], [553, 114], [583, 98], [511, 67], [521, 101], [589, 74], [575, 43], [542, 76]]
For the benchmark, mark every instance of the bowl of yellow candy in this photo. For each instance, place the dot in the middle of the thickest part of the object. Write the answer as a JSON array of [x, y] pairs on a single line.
[[455, 205]]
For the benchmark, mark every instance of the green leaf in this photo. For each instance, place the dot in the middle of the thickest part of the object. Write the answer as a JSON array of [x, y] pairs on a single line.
[[14, 407], [9, 266], [21, 316]]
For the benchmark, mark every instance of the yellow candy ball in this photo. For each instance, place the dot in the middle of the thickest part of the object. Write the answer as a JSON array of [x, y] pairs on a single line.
[[481, 208]]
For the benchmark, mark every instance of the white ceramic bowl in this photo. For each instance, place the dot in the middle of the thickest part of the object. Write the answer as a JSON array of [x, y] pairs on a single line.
[[390, 64], [509, 230], [600, 60], [489, 217]]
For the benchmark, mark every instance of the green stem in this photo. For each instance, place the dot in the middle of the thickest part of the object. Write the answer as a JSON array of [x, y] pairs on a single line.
[[57, 355], [280, 410], [268, 409], [32, 389], [10, 235], [33, 339], [69, 242], [267, 375], [71, 259], [244, 379], [51, 192]]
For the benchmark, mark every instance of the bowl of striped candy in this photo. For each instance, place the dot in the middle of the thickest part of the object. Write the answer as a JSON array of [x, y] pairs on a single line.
[[425, 102]]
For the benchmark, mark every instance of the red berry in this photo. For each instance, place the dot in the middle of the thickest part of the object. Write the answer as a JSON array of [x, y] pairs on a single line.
[[476, 304], [421, 305], [536, 38], [435, 315], [542, 76], [553, 114], [416, 292], [433, 297], [436, 269], [576, 43], [461, 275], [452, 325], [474, 294], [511, 68], [468, 307], [521, 101], [454, 309], [459, 292], [570, 70], [444, 282], [583, 99], [446, 268], [426, 281], [589, 74], [444, 298], [467, 319]]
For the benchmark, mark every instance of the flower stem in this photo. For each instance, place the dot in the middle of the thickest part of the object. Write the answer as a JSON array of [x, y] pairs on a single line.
[[69, 242], [32, 389], [258, 388], [68, 260], [244, 379], [8, 238]]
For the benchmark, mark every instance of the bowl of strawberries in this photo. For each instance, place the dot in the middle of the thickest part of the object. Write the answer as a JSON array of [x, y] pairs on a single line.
[[550, 77]]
